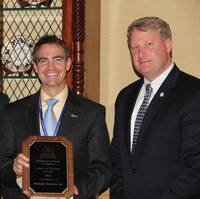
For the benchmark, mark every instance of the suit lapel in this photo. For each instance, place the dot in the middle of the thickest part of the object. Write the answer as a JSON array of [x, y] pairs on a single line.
[[159, 99], [71, 116]]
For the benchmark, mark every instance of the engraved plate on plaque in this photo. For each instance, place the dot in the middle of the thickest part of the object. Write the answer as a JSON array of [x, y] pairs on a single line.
[[50, 171]]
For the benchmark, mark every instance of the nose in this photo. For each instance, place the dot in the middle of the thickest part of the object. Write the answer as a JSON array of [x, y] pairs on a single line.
[[50, 64], [141, 51]]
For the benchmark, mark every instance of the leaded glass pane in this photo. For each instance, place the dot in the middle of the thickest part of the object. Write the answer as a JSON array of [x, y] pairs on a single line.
[[21, 24]]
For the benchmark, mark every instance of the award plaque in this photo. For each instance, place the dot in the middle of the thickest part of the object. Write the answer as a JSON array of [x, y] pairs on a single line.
[[50, 171]]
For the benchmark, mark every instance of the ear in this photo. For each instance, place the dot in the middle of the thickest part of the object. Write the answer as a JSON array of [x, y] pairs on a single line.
[[35, 67], [68, 64], [168, 43]]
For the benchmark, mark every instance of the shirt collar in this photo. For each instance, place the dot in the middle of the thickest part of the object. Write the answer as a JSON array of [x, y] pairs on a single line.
[[61, 97], [156, 83]]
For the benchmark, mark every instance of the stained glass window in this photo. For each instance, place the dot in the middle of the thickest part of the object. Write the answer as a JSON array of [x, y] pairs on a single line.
[[21, 24]]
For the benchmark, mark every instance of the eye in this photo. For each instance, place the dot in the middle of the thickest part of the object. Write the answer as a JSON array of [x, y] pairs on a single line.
[[42, 61], [149, 44], [135, 48], [58, 59]]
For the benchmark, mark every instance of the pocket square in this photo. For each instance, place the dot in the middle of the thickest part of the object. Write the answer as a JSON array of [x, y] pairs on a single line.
[[73, 115]]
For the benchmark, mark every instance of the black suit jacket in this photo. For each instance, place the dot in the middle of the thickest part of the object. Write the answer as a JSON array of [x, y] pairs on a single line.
[[83, 123], [166, 161], [3, 102]]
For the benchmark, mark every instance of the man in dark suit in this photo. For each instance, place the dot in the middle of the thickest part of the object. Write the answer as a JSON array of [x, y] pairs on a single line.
[[79, 119], [155, 149], [3, 102]]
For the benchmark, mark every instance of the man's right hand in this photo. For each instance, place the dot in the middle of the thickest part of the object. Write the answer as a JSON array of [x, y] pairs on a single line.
[[19, 162], [75, 190]]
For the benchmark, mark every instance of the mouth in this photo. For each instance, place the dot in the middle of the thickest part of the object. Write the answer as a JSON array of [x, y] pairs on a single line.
[[144, 61], [51, 74]]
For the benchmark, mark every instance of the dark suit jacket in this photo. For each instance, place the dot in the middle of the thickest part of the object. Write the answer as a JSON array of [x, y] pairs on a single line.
[[83, 124], [166, 161], [3, 102]]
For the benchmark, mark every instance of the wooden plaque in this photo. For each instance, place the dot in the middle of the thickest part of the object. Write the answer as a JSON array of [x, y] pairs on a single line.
[[50, 171]]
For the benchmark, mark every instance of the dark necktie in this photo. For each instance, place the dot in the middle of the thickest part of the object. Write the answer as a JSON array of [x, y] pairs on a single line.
[[50, 120], [140, 115]]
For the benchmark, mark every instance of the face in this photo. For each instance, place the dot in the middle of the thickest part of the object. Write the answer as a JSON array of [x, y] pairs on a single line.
[[150, 53], [51, 67]]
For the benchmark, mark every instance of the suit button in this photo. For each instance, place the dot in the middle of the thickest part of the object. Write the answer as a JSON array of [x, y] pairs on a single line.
[[134, 171]]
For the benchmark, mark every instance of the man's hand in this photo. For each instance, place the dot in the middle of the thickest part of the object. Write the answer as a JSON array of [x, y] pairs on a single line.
[[20, 161], [75, 191]]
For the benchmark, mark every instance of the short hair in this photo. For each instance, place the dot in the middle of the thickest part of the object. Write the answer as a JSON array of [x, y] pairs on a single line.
[[150, 23], [49, 39]]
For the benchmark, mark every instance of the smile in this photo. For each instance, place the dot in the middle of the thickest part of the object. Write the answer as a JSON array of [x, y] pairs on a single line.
[[51, 73]]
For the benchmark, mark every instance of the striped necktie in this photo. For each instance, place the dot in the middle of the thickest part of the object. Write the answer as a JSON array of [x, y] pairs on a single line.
[[140, 115]]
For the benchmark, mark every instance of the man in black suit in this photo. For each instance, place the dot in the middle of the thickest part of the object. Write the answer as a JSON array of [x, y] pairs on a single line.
[[79, 119], [155, 149], [3, 102]]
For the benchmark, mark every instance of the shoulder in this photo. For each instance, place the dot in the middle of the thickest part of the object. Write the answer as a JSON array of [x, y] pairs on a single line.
[[3, 97], [84, 103], [129, 90], [3, 101], [23, 103], [130, 87], [185, 78], [185, 87], [188, 84]]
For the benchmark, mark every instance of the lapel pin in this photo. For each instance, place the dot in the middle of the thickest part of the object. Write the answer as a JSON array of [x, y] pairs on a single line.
[[74, 115], [162, 94]]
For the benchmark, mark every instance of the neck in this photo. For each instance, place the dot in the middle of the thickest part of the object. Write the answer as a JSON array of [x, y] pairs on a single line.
[[52, 92]]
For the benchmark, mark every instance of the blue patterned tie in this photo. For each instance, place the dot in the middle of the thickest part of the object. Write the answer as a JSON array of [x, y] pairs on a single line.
[[140, 115], [50, 120]]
